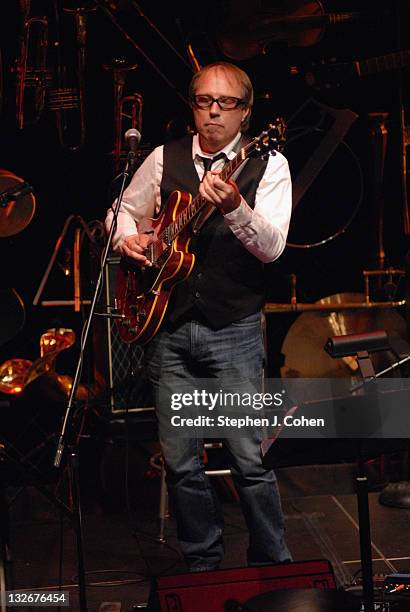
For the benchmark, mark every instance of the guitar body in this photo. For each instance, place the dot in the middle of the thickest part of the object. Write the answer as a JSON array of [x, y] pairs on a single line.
[[143, 294]]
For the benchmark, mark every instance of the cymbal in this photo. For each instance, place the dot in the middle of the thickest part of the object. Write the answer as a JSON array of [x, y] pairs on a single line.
[[304, 342], [15, 215], [12, 314]]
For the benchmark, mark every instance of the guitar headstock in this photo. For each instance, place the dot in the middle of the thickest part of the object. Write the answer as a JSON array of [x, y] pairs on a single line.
[[270, 140]]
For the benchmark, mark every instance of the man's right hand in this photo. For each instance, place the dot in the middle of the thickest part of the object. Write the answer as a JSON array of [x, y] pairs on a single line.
[[135, 247]]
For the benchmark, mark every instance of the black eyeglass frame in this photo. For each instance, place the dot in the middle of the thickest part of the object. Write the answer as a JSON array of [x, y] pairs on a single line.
[[239, 102]]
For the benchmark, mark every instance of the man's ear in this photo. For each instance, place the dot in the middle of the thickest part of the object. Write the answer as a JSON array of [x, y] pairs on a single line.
[[246, 115]]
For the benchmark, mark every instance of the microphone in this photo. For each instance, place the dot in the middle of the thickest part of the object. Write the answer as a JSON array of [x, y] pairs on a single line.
[[132, 138]]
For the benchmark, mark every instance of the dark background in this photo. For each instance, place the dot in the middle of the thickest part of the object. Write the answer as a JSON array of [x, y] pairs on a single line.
[[67, 182], [115, 472]]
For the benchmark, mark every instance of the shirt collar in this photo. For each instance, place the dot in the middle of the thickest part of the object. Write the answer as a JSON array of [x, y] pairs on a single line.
[[228, 149]]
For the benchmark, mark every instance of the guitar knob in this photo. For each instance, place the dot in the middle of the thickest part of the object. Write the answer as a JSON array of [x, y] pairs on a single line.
[[140, 315]]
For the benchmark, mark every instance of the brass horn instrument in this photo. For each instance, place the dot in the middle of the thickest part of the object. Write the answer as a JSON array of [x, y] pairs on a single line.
[[68, 103], [127, 109], [32, 76]]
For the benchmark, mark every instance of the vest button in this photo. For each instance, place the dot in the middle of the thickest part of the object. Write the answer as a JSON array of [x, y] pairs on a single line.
[[199, 275], [197, 294]]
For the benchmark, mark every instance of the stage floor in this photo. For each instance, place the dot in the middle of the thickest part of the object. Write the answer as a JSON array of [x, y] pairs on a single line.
[[121, 551]]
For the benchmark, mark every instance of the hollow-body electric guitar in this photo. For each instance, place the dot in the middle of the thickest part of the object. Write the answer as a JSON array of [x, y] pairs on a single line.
[[143, 293]]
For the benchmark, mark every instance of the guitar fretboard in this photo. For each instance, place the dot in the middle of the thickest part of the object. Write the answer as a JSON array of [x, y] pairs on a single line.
[[199, 202], [383, 63], [273, 138]]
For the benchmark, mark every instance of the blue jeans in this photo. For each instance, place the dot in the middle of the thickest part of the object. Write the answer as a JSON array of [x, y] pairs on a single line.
[[190, 352]]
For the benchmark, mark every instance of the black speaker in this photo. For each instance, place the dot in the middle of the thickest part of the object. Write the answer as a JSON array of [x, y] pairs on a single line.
[[118, 367]]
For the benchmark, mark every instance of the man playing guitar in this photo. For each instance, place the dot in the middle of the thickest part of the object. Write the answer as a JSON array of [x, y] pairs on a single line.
[[212, 326]]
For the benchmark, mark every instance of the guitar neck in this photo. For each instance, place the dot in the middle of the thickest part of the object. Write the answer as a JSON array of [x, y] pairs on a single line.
[[199, 202], [383, 63]]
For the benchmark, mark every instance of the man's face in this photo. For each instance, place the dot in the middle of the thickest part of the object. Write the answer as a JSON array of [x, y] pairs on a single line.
[[218, 127]]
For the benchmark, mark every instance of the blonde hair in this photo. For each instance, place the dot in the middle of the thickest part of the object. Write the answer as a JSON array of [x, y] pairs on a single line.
[[239, 75]]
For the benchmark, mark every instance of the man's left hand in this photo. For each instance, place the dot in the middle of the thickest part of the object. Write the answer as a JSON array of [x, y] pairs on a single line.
[[224, 196]]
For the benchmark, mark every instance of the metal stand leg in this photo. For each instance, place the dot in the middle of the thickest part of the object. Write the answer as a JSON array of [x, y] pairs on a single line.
[[163, 505], [365, 537], [73, 515], [163, 494], [6, 580], [75, 482]]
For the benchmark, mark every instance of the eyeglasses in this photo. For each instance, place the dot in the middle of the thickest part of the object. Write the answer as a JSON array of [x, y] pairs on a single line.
[[224, 102]]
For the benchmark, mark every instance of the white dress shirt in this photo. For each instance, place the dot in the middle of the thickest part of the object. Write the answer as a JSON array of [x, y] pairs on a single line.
[[262, 230]]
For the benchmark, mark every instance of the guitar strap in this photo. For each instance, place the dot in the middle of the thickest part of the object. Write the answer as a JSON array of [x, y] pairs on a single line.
[[207, 211]]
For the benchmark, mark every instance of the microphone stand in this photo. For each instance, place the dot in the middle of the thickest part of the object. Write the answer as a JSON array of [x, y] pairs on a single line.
[[66, 435]]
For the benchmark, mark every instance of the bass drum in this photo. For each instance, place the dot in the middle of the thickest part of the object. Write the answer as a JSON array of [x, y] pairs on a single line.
[[304, 355]]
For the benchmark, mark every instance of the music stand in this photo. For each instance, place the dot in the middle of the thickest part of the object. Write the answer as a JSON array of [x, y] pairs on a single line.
[[360, 447]]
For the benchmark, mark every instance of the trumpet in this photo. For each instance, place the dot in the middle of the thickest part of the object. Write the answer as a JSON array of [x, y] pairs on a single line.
[[127, 109], [71, 126], [32, 76]]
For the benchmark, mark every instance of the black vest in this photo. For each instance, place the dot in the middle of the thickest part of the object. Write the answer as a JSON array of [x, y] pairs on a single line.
[[227, 282]]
